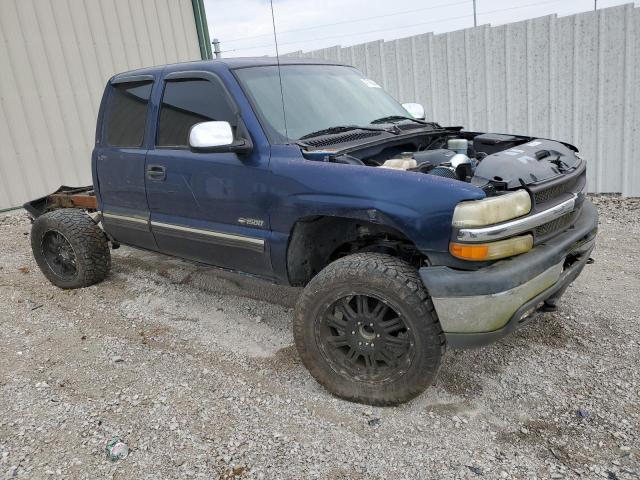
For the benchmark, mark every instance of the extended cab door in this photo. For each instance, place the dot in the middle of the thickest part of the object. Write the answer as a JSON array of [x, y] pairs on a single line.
[[209, 207], [120, 160]]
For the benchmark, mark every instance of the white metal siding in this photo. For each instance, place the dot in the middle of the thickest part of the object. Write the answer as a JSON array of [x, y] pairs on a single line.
[[55, 59], [574, 78]]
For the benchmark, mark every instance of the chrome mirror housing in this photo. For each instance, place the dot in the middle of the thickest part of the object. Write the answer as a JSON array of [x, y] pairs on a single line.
[[416, 110], [207, 135]]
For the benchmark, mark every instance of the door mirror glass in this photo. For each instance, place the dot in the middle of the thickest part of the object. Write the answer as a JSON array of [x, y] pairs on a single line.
[[416, 110], [211, 134]]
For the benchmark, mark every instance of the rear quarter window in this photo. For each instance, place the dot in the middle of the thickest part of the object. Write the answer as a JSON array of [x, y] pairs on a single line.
[[126, 113]]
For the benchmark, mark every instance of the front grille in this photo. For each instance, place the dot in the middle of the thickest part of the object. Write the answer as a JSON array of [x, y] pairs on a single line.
[[343, 138], [554, 191], [558, 190], [554, 226]]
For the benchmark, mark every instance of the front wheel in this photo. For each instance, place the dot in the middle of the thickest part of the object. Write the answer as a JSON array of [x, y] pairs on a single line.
[[367, 331], [70, 249]]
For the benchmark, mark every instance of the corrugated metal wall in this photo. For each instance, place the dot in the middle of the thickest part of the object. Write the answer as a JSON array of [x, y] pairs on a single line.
[[574, 78], [55, 58]]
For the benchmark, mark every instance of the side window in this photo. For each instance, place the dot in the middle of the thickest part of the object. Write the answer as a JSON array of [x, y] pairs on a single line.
[[126, 113], [187, 102]]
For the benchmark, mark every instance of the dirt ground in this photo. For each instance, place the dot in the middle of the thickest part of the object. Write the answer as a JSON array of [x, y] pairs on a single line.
[[196, 371]]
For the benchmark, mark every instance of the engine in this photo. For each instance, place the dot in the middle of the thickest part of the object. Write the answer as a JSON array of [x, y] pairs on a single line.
[[452, 162], [491, 161]]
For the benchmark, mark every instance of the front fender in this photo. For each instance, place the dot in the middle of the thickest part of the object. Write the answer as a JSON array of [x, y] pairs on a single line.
[[418, 205], [352, 207]]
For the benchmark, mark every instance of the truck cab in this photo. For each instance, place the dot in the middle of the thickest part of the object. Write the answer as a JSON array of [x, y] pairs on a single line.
[[233, 206], [407, 236]]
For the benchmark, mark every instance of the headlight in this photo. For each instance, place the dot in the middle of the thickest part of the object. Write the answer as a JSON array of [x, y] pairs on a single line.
[[479, 213]]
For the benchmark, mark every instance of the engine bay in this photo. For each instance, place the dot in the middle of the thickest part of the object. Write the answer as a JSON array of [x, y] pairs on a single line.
[[491, 161]]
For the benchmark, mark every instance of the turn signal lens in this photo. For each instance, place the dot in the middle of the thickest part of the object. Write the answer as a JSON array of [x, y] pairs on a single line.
[[492, 251], [492, 210]]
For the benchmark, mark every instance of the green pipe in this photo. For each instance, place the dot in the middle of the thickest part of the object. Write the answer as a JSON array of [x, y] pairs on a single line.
[[202, 28]]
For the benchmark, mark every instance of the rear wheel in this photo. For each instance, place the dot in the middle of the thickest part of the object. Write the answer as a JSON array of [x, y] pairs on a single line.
[[70, 249], [367, 331]]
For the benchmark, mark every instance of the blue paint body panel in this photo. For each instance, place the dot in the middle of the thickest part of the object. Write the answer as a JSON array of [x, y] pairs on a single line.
[[274, 187]]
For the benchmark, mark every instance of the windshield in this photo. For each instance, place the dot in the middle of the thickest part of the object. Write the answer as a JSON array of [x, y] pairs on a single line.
[[316, 97]]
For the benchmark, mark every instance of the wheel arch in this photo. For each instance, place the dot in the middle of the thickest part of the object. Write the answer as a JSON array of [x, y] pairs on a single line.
[[317, 240]]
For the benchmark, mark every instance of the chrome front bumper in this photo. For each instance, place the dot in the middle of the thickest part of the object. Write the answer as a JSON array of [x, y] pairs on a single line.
[[478, 307]]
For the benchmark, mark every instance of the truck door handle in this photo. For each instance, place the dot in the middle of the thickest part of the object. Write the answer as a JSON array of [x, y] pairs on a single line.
[[156, 172]]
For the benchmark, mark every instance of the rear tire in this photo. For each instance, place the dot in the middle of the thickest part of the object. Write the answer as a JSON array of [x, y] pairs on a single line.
[[70, 249], [367, 331]]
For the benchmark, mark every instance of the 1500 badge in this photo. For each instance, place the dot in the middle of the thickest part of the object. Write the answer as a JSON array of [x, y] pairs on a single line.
[[251, 221]]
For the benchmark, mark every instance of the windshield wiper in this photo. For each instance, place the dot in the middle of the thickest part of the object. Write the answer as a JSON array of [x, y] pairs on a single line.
[[396, 118], [339, 129]]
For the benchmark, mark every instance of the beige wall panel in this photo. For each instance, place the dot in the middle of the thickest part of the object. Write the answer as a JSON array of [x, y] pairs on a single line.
[[573, 78], [55, 59]]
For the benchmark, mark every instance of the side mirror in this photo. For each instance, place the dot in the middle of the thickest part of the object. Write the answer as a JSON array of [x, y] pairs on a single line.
[[415, 110], [217, 137]]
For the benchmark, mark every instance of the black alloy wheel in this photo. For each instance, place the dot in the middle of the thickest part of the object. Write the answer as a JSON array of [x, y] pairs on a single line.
[[366, 338], [59, 254]]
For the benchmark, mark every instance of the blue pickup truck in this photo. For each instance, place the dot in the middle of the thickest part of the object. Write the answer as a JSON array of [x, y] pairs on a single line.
[[408, 237]]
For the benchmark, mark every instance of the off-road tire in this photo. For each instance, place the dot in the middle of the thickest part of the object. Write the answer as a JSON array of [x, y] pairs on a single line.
[[394, 282], [87, 240]]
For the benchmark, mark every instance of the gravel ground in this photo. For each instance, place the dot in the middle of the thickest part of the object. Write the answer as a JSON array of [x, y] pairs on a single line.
[[195, 369]]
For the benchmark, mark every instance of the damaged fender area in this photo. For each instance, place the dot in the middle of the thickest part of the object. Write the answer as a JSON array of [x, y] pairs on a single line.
[[318, 240]]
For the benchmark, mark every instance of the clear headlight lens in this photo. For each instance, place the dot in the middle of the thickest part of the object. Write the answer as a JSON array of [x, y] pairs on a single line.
[[489, 211]]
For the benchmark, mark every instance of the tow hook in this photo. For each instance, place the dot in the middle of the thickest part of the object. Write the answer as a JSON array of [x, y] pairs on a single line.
[[590, 261]]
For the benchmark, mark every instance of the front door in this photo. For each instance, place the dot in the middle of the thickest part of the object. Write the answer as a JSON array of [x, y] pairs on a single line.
[[120, 162], [209, 207]]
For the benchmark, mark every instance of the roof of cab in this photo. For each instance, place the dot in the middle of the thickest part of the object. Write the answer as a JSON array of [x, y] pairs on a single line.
[[231, 63], [244, 62]]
